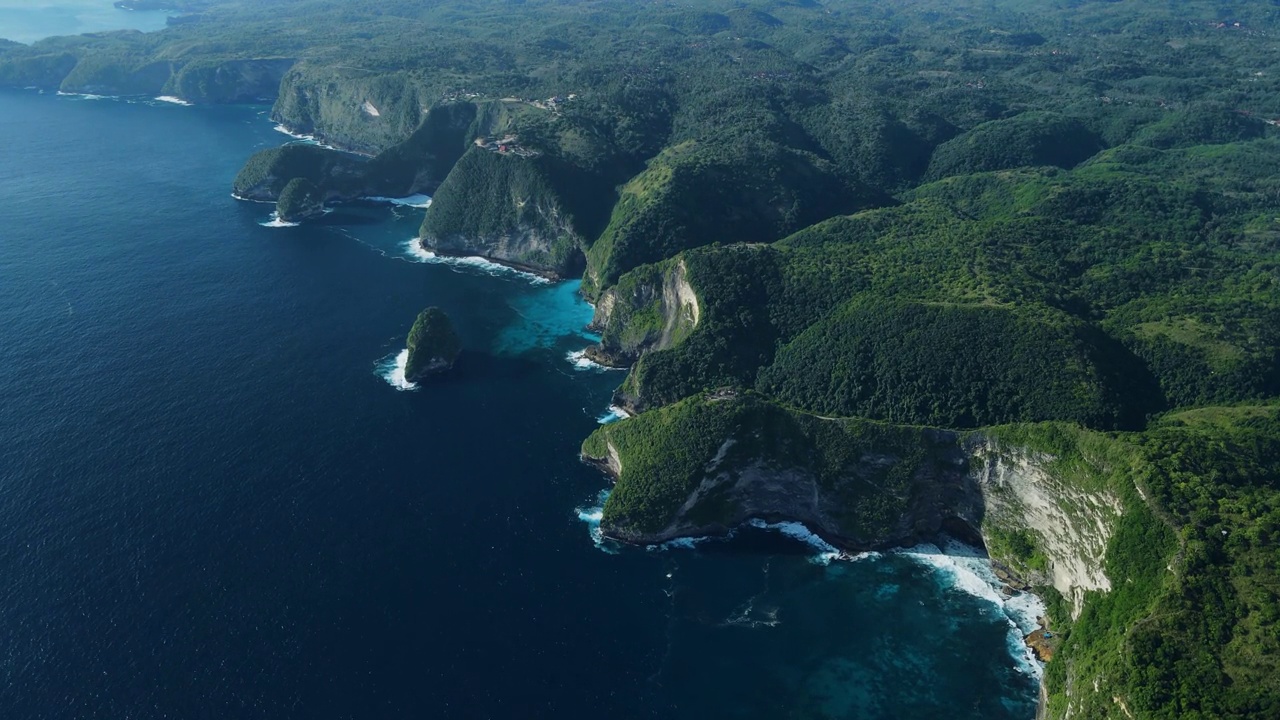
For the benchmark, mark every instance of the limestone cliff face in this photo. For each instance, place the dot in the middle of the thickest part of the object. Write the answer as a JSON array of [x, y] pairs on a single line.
[[266, 174], [1069, 523], [651, 309], [858, 484], [504, 208]]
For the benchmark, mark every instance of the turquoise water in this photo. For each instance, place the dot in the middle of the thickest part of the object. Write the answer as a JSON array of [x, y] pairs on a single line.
[[214, 504], [27, 21]]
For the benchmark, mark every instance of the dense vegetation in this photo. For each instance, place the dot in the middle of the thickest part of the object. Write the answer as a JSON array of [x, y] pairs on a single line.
[[299, 200], [665, 453], [505, 200], [1191, 628], [433, 344], [943, 212]]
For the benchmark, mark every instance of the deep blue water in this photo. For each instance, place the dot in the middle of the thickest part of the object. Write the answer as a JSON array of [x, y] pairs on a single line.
[[212, 505]]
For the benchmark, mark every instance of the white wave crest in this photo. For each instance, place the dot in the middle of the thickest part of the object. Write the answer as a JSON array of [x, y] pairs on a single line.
[[613, 414], [415, 251], [242, 198], [683, 543], [276, 222], [282, 128], [966, 570], [88, 96], [301, 137], [173, 100], [391, 369], [826, 551], [414, 201], [591, 515], [580, 361]]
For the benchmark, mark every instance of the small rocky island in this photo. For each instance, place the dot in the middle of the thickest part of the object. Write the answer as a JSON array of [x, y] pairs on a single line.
[[433, 345]]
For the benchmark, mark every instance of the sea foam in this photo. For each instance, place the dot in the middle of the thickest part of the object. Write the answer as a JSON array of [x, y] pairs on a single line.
[[242, 198], [826, 551], [301, 137], [964, 569], [592, 515], [414, 251], [613, 414], [580, 361], [173, 100], [391, 369], [414, 201], [276, 222], [88, 96]]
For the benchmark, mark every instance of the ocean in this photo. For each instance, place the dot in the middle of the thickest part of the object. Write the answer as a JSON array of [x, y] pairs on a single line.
[[217, 501], [27, 21]]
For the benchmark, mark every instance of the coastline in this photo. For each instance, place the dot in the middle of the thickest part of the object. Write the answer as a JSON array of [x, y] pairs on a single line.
[[543, 273], [1004, 583]]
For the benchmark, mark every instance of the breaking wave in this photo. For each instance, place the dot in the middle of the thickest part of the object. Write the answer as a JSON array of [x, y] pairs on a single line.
[[391, 369], [276, 222], [414, 201], [580, 361], [964, 569], [591, 515], [613, 414], [415, 251], [88, 96], [301, 137]]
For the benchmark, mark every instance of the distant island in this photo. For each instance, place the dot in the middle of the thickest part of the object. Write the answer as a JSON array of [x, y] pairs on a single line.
[[1006, 270], [176, 5]]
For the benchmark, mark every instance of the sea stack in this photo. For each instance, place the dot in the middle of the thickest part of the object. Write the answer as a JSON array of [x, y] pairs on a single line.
[[433, 345]]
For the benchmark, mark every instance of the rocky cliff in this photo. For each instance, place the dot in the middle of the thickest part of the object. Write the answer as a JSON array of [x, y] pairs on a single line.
[[204, 80], [228, 81], [708, 464], [507, 208], [1066, 525], [264, 176], [433, 345], [300, 200], [652, 308], [859, 484], [351, 108], [1062, 511]]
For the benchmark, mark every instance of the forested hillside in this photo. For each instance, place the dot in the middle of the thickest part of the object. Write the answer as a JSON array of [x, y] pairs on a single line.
[[1055, 218]]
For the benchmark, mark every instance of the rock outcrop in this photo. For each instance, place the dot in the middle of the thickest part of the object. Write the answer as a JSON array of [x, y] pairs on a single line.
[[1070, 524], [265, 175], [299, 201], [333, 103], [651, 309], [709, 464], [505, 208], [433, 345]]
